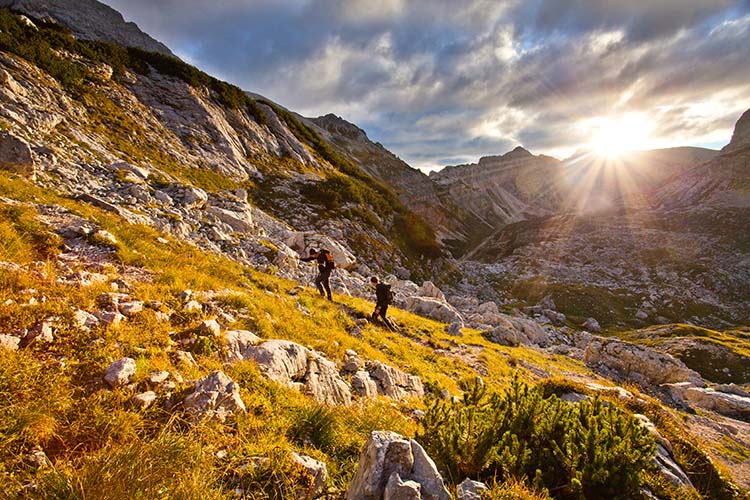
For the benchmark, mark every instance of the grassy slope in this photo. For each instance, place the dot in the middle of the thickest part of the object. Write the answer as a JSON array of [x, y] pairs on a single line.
[[53, 397]]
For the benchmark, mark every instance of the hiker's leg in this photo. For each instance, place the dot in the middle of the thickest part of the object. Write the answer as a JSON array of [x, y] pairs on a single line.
[[384, 317], [318, 283], [327, 284]]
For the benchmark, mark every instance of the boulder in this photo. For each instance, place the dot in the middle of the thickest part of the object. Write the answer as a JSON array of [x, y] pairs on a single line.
[[241, 221], [238, 344], [9, 342], [317, 471], [592, 325], [296, 366], [83, 319], [216, 396], [144, 400], [209, 328], [640, 364], [434, 309], [130, 309], [15, 155], [512, 331], [455, 329], [109, 318], [394, 383], [386, 454], [193, 198], [120, 372], [488, 308], [470, 490], [398, 489], [429, 289]]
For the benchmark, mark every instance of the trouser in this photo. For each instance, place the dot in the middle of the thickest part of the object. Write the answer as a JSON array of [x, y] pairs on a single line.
[[322, 282], [380, 313]]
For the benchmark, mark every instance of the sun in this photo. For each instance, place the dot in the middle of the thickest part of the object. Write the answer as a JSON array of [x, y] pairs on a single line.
[[612, 137]]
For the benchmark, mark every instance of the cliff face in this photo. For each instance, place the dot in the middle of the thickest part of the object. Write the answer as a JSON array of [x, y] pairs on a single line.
[[90, 20]]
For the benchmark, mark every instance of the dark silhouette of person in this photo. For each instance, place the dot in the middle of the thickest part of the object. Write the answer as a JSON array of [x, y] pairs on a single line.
[[383, 299], [325, 268]]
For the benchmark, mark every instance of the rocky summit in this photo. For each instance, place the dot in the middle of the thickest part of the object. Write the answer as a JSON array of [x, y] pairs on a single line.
[[161, 336]]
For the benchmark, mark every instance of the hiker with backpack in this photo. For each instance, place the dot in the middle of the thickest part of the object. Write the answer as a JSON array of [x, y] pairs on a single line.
[[383, 298], [326, 265]]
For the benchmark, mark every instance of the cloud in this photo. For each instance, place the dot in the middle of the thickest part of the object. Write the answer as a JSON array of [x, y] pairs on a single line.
[[438, 80]]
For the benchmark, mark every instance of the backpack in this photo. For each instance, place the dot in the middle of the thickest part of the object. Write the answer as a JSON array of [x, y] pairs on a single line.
[[389, 295], [329, 259]]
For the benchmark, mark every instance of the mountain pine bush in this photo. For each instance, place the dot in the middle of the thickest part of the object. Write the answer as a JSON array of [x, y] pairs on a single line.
[[589, 449]]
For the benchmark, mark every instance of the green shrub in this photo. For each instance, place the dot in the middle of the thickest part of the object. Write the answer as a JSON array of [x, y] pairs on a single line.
[[586, 450]]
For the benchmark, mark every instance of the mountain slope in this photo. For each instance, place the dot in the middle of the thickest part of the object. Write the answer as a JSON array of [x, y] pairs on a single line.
[[90, 20]]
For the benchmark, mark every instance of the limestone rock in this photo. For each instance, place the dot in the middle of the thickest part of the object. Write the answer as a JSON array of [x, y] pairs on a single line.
[[592, 325], [130, 309], [386, 454], [470, 490], [317, 471], [364, 385], [398, 489], [145, 399], [668, 467], [216, 396], [241, 221], [637, 363], [158, 377], [434, 309], [119, 372], [454, 329], [9, 342], [83, 319], [15, 155], [428, 289], [293, 365], [209, 327], [732, 405], [238, 344], [394, 383]]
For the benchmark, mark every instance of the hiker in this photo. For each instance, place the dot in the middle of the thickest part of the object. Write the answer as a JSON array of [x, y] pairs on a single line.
[[326, 265], [383, 298]]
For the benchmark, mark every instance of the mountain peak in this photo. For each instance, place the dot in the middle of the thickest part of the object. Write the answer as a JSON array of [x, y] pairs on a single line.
[[741, 135], [518, 153], [89, 20]]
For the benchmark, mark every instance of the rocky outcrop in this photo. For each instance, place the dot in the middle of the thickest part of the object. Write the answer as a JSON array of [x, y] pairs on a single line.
[[394, 383], [15, 155], [296, 366], [725, 403], [664, 460], [637, 363], [389, 461], [434, 309], [90, 20], [513, 331], [741, 136], [215, 396]]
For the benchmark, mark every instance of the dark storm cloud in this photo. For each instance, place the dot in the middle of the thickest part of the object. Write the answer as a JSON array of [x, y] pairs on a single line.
[[438, 79]]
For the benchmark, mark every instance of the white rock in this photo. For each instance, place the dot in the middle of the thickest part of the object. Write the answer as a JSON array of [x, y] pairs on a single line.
[[363, 385], [105, 237], [398, 489], [238, 344], [470, 490], [83, 319], [120, 372], [192, 306], [429, 289], [394, 383], [145, 399], [130, 309], [215, 396], [317, 470], [209, 327], [158, 377], [434, 309], [9, 342]]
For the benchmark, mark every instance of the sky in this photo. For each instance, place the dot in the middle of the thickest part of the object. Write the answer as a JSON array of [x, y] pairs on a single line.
[[444, 82]]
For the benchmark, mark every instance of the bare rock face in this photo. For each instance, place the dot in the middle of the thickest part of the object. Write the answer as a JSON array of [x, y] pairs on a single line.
[[216, 396], [89, 19], [388, 462], [15, 155], [741, 136], [637, 363]]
